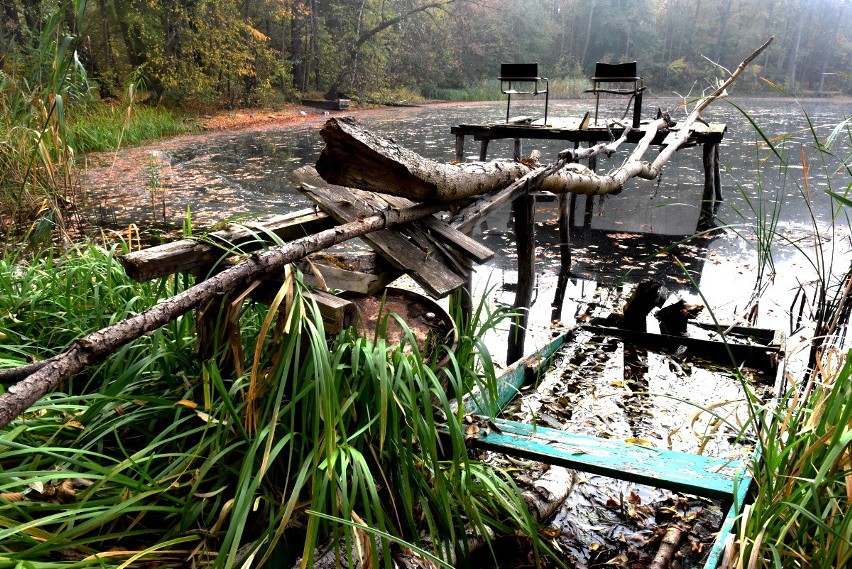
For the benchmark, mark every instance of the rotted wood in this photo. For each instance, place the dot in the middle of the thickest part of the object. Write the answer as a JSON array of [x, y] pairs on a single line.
[[196, 255], [668, 548], [355, 157]]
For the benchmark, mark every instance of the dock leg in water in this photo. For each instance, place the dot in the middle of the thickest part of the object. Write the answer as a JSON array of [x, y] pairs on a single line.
[[564, 255], [524, 212]]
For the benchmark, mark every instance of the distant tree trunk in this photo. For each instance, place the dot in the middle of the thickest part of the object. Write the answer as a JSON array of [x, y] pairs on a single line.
[[723, 29], [588, 33], [794, 56], [296, 51], [828, 53]]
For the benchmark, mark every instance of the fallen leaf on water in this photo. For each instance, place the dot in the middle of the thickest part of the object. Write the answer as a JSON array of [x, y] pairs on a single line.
[[639, 442]]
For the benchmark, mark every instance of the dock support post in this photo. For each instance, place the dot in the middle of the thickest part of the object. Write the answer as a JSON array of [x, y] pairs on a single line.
[[459, 148], [524, 213], [717, 180], [590, 200], [483, 149], [712, 195], [564, 256], [517, 150]]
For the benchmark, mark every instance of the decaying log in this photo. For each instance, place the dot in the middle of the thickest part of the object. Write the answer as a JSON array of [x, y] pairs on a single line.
[[355, 157], [668, 547], [549, 492], [97, 345]]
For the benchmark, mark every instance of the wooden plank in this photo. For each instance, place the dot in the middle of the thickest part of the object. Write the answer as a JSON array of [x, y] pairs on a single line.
[[195, 255], [762, 357], [514, 377], [677, 471], [357, 271], [337, 313], [344, 205], [459, 240]]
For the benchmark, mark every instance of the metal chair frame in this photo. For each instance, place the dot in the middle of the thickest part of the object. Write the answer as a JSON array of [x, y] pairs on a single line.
[[511, 73]]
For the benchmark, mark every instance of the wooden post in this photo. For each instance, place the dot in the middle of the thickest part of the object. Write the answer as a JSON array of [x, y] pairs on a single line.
[[590, 200], [483, 149], [524, 213], [712, 193], [517, 151], [459, 148], [717, 180], [564, 205]]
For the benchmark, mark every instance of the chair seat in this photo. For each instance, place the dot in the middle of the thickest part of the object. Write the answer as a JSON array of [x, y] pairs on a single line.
[[615, 91]]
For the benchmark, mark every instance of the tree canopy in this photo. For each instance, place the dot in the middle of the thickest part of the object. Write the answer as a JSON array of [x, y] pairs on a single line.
[[230, 53]]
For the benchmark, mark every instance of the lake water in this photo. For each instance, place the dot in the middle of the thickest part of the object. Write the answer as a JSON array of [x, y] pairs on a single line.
[[631, 236]]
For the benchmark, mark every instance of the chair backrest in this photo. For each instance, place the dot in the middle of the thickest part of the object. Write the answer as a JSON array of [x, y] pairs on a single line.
[[519, 71], [615, 72]]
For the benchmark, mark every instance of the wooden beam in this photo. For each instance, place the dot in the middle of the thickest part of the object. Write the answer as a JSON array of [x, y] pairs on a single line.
[[694, 474], [198, 254]]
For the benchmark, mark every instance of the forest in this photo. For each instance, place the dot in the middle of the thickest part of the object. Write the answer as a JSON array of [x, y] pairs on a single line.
[[228, 53]]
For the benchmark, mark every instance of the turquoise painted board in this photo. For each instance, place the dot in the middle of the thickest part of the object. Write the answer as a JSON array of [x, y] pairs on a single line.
[[678, 471], [514, 377]]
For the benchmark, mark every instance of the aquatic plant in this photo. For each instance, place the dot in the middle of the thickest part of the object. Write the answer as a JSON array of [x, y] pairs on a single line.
[[798, 515]]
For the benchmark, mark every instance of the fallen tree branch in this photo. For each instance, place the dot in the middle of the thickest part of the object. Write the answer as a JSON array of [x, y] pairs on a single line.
[[97, 345]]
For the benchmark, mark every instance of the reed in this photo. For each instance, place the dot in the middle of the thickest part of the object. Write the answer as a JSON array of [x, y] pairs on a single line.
[[798, 515], [36, 160]]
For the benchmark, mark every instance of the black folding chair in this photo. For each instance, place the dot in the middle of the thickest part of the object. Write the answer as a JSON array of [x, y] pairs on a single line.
[[511, 73], [631, 84]]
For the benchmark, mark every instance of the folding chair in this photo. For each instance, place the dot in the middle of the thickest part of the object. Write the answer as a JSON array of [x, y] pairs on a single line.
[[624, 73], [511, 73]]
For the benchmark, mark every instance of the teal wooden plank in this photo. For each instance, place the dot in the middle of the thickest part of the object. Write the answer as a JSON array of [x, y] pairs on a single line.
[[677, 471], [515, 376], [714, 556]]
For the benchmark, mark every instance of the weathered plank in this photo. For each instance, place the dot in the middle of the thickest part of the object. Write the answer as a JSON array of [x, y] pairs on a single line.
[[345, 206], [357, 271], [195, 255], [458, 240], [677, 471], [337, 313]]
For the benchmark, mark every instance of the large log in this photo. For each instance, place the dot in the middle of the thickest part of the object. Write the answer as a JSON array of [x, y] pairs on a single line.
[[355, 157]]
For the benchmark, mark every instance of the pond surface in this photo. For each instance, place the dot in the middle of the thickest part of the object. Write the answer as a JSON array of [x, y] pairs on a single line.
[[646, 231]]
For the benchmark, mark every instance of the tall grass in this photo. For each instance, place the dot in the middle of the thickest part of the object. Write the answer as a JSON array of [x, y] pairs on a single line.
[[799, 515], [154, 457], [35, 156], [109, 127]]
